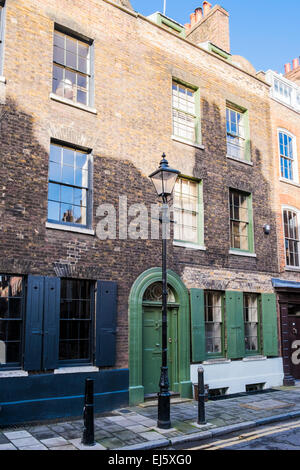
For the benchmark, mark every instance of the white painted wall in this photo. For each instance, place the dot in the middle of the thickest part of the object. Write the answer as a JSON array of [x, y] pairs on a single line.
[[237, 374]]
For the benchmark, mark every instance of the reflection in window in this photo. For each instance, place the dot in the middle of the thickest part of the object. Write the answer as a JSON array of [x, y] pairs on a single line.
[[71, 68], [292, 239], [68, 185], [251, 322], [75, 338], [286, 156], [239, 220], [11, 320], [213, 322]]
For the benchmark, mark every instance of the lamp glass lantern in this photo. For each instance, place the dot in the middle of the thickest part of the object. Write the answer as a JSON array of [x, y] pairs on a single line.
[[164, 179]]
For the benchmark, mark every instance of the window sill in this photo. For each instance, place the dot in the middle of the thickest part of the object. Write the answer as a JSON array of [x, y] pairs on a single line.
[[210, 362], [191, 144], [292, 268], [293, 183], [240, 160], [189, 246], [69, 228], [254, 358], [2, 79], [73, 370], [13, 373], [242, 253], [83, 107]]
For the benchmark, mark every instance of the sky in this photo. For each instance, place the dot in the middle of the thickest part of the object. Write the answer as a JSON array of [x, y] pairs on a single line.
[[266, 32]]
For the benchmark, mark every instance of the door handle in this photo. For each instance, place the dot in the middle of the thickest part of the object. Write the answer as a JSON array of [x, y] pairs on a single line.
[[170, 340], [295, 331]]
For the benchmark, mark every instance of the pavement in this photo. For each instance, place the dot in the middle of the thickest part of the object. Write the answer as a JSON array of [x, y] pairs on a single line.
[[135, 428]]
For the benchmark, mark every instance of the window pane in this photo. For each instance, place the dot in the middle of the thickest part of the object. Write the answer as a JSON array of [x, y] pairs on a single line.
[[53, 211], [68, 174], [59, 55], [66, 195], [54, 192], [54, 171], [55, 153]]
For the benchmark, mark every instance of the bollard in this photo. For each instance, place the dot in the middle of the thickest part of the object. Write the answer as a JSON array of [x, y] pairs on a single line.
[[201, 396], [88, 438]]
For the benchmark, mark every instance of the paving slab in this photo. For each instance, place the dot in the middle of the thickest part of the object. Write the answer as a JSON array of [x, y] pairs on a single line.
[[54, 442]]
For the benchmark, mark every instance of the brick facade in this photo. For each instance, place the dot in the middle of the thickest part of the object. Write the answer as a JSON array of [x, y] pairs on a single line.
[[127, 130]]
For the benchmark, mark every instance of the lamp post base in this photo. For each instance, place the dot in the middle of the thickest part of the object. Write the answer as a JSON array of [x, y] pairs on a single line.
[[163, 421]]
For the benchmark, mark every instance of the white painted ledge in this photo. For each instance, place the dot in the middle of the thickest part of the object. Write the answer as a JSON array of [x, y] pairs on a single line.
[[242, 253], [254, 358], [189, 246], [240, 160], [70, 228], [83, 107], [292, 183], [292, 268], [74, 370], [186, 142], [13, 373]]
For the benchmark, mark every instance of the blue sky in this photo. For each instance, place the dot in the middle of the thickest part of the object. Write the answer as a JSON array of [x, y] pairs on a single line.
[[266, 32]]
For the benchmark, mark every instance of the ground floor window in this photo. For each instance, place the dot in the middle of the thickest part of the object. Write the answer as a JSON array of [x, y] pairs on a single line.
[[76, 320], [251, 319], [214, 306], [11, 320]]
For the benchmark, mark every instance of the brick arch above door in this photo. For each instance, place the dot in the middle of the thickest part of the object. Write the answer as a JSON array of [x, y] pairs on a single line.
[[136, 388]]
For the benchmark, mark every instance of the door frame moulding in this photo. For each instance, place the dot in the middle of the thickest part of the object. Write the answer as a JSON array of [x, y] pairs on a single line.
[[136, 388]]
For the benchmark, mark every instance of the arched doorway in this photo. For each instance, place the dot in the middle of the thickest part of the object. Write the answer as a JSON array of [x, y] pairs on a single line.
[[145, 335]]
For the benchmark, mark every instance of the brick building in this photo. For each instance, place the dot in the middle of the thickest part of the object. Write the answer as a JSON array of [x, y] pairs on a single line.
[[90, 98], [285, 112]]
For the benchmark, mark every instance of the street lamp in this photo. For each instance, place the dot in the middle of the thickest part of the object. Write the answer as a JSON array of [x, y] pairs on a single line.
[[164, 180]]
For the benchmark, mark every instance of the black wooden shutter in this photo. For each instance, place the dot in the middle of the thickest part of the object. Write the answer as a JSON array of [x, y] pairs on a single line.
[[106, 322], [51, 322], [34, 323]]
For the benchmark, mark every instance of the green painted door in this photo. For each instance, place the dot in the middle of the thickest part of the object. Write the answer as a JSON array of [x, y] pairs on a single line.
[[152, 331]]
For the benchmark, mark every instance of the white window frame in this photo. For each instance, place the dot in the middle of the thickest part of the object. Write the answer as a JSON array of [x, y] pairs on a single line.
[[295, 159], [189, 113], [297, 212]]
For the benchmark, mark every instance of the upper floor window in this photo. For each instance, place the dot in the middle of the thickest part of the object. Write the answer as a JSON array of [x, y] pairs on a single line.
[[241, 223], [71, 68], [185, 115], [236, 135], [11, 320], [282, 91], [287, 156], [292, 238], [69, 186], [187, 211]]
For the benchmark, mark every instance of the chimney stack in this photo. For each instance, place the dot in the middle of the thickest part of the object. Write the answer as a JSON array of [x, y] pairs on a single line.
[[287, 67], [295, 63], [206, 8], [209, 24]]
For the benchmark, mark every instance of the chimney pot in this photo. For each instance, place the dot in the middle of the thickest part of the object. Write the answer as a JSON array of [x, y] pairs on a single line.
[[193, 19], [295, 63], [206, 8], [187, 26], [287, 67], [198, 13]]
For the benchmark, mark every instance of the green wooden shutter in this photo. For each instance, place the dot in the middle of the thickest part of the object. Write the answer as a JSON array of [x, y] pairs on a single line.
[[106, 323], [51, 322], [34, 323], [269, 324], [197, 325], [235, 325]]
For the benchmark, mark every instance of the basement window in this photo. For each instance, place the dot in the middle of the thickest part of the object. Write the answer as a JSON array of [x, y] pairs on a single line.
[[255, 387]]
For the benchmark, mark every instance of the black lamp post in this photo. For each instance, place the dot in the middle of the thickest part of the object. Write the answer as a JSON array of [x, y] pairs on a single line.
[[164, 180]]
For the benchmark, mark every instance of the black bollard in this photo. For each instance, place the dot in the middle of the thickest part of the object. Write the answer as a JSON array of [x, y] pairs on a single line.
[[201, 396], [88, 438]]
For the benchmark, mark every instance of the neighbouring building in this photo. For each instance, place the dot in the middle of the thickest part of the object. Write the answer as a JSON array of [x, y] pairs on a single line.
[[285, 112], [91, 96]]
